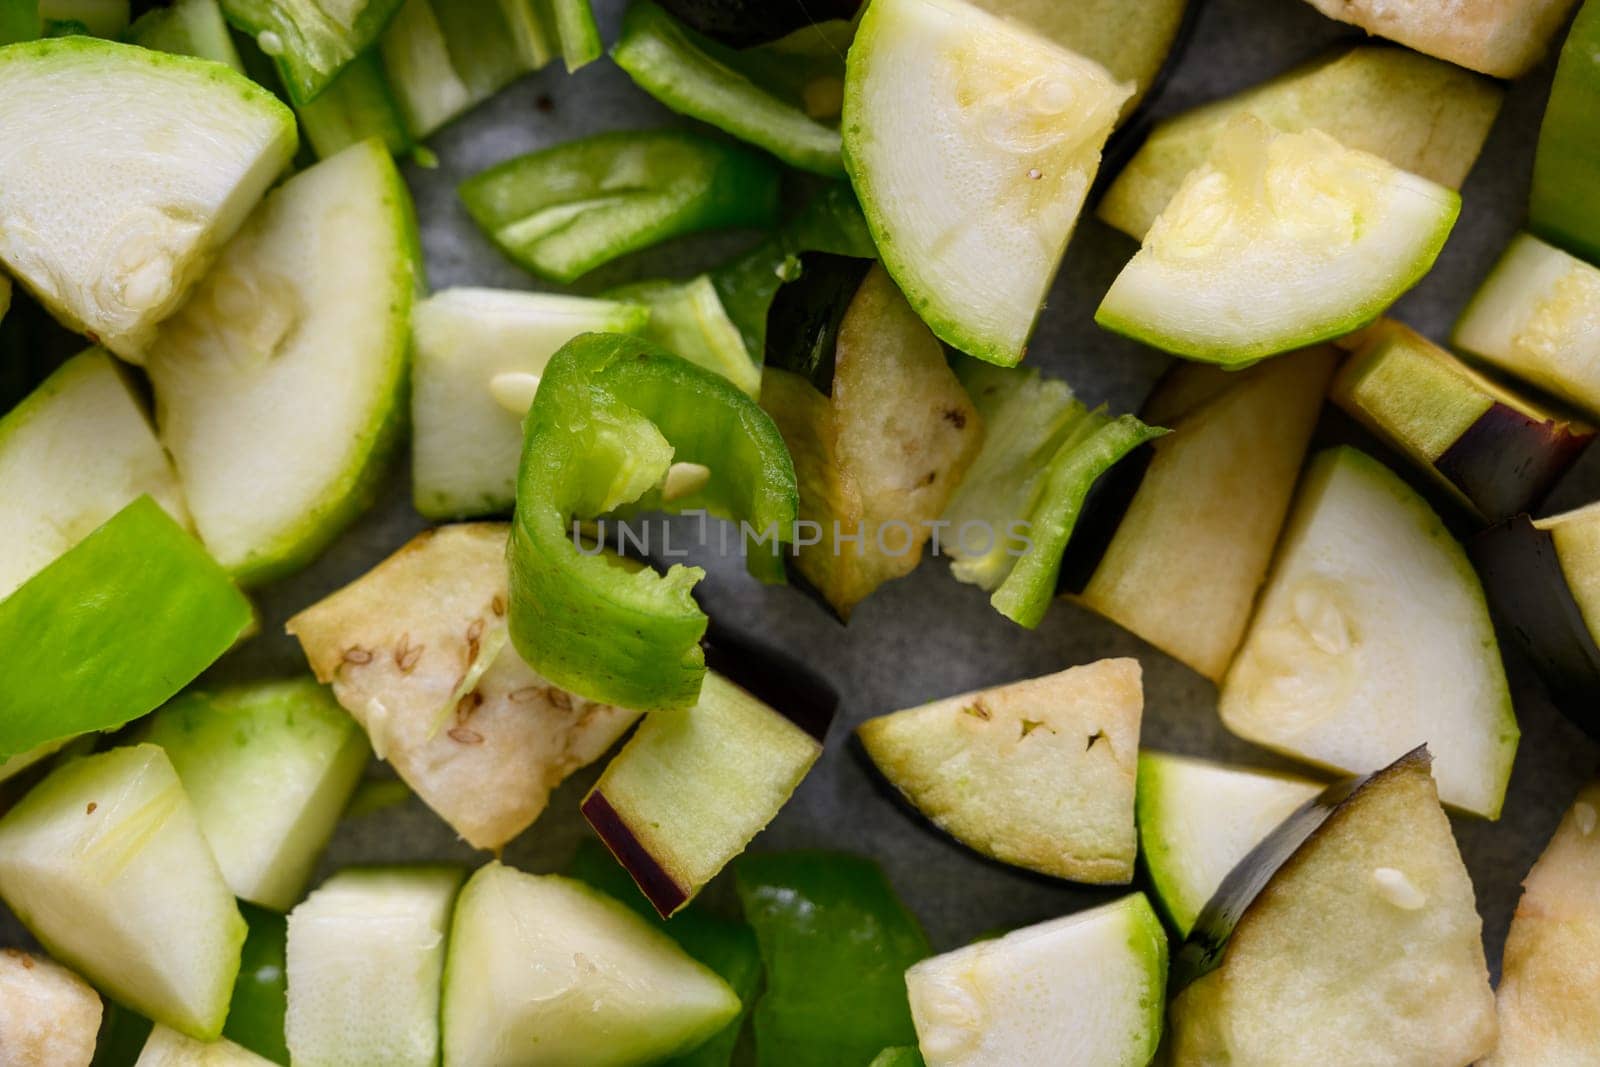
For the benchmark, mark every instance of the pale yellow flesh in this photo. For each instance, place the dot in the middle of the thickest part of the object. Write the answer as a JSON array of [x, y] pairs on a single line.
[[1191, 552], [1503, 38], [168, 1048], [49, 1017], [1576, 535], [1038, 773]]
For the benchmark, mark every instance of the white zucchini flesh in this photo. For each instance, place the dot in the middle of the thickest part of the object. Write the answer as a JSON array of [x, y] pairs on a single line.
[[1537, 316], [1081, 991], [76, 451], [1371, 638], [122, 172], [105, 864], [972, 144], [1197, 819], [168, 1048], [1277, 241], [364, 960], [281, 382], [467, 344]]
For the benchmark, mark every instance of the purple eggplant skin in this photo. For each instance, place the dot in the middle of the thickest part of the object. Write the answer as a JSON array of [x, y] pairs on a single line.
[[1207, 945], [664, 894], [777, 679], [743, 23], [1508, 461], [1534, 606]]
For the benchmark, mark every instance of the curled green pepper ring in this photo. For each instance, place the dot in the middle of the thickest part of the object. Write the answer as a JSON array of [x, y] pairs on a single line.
[[611, 415]]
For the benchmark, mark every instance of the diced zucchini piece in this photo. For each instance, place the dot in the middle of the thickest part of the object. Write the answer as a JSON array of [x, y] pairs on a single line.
[[1422, 115], [690, 320], [1549, 1008], [356, 106], [188, 28], [972, 144], [115, 211], [112, 630], [416, 59], [1198, 819], [1277, 241], [1350, 935], [311, 40], [269, 767], [102, 18], [74, 453], [168, 1048], [476, 352], [1567, 166], [417, 651], [1371, 637], [1503, 38], [366, 956], [733, 91], [563, 211], [1189, 555], [544, 970], [1083, 989], [293, 348], [1038, 773], [105, 864], [49, 1017], [1537, 316], [692, 787]]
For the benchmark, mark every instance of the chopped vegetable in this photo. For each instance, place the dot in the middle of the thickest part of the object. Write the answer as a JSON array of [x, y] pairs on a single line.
[[357, 105], [1566, 168], [168, 1048], [49, 1017], [188, 28], [1502, 39], [310, 41]]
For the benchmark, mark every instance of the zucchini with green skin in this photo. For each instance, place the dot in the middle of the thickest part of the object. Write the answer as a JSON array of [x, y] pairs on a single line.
[[188, 28], [563, 211], [311, 41], [105, 863], [972, 144], [143, 225], [49, 1017], [295, 345], [1277, 241], [1567, 165], [358, 104]]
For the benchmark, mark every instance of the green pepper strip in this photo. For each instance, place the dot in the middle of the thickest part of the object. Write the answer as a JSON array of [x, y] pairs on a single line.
[[611, 415], [260, 997]]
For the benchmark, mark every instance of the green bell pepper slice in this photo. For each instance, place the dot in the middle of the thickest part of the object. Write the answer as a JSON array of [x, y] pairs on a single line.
[[564, 211], [309, 47], [612, 413], [900, 1056], [358, 104], [836, 942], [113, 629], [771, 96], [1566, 168], [260, 994]]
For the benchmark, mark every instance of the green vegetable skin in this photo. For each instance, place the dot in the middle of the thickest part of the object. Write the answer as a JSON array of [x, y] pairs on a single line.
[[566, 210], [356, 106], [729, 89], [189, 28], [729, 948], [836, 943], [19, 21], [113, 628], [611, 414], [309, 46], [260, 998], [1566, 170]]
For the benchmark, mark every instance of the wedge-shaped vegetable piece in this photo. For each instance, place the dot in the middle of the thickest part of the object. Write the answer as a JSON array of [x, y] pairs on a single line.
[[611, 417], [74, 453], [1422, 115], [112, 630], [545, 970], [188, 28], [168, 1048], [1567, 163], [564, 211], [1372, 637], [1038, 773], [690, 319], [49, 1017], [1131, 41], [366, 957], [1491, 36], [310, 41], [1278, 240], [1543, 581], [972, 144], [1349, 935], [1498, 452], [879, 456], [1198, 819], [269, 767], [114, 211], [1190, 553], [836, 942], [357, 105], [105, 864], [1537, 317], [1549, 1008], [772, 98], [479, 354], [417, 651], [260, 994], [692, 787], [1083, 989], [294, 346]]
